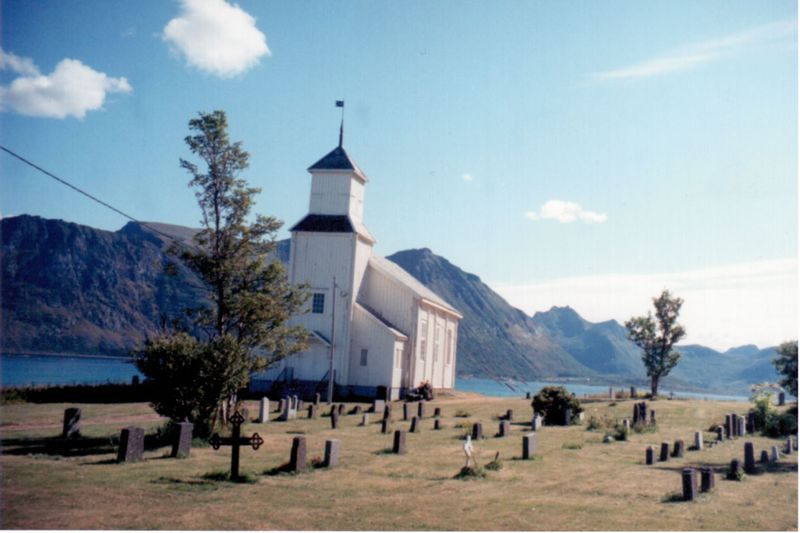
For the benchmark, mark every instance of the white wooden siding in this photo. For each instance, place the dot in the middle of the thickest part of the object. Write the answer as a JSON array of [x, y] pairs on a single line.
[[380, 342], [330, 193]]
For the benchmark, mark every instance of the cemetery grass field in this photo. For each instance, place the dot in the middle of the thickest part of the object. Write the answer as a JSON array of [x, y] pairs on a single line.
[[576, 482]]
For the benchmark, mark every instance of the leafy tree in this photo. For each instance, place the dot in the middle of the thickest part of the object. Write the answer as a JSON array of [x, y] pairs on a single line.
[[786, 364], [656, 336], [553, 402], [243, 328]]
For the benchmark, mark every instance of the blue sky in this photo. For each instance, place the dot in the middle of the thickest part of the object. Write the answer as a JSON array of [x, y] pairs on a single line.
[[581, 153]]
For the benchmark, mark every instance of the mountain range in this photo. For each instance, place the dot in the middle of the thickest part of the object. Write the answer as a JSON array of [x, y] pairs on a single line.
[[68, 288]]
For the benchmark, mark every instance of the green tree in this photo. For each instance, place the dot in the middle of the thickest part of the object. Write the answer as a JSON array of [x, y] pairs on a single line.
[[656, 336], [786, 364], [244, 327]]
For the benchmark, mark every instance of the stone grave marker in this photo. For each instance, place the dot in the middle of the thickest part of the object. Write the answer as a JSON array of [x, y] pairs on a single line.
[[505, 428], [263, 410], [781, 398], [300, 405], [365, 419], [477, 431], [378, 406], [707, 481], [633, 393], [385, 423], [567, 416], [689, 478], [181, 439], [698, 441], [751, 422], [357, 410], [131, 445], [340, 409], [406, 410], [527, 395], [649, 455], [664, 455], [788, 447], [235, 441], [740, 429], [421, 409], [437, 423], [728, 427], [387, 412], [332, 448], [437, 412], [510, 415], [72, 423], [399, 446], [735, 469], [335, 419], [774, 456], [749, 458], [316, 398], [764, 456], [299, 458], [678, 449], [528, 445], [281, 404], [720, 433], [312, 410], [635, 413], [626, 424], [414, 424]]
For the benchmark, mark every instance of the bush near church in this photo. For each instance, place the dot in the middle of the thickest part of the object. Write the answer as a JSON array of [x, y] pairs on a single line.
[[552, 403]]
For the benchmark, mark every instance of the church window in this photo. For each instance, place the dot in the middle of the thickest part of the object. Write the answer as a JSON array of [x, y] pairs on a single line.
[[436, 334], [318, 303], [363, 357], [423, 338], [449, 347]]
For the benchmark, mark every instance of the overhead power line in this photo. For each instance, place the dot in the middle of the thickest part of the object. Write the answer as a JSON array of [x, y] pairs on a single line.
[[90, 196]]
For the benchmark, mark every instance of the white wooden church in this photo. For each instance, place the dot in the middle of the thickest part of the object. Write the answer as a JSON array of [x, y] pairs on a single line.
[[388, 332]]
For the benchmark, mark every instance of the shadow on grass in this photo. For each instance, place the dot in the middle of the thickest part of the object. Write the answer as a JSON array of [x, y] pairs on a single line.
[[189, 485], [721, 469], [73, 447], [286, 470], [224, 476]]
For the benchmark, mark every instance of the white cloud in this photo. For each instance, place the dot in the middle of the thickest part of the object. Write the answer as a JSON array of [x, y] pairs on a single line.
[[72, 89], [699, 53], [216, 37], [565, 212], [723, 306], [467, 177]]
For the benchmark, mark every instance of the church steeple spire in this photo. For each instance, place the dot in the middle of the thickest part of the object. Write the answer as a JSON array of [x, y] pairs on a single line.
[[340, 103]]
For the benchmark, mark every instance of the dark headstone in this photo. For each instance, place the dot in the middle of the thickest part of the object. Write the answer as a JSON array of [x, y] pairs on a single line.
[[740, 430], [399, 442], [414, 424], [781, 398], [633, 392], [527, 395], [357, 410], [131, 445], [567, 417], [477, 431], [764, 456], [720, 433], [406, 410], [421, 409], [749, 458], [281, 404], [735, 469], [437, 412], [707, 481], [510, 415], [732, 423], [652, 417], [72, 423], [385, 423], [528, 445], [340, 410], [332, 447], [636, 412], [689, 478], [181, 439], [335, 419], [505, 428], [298, 459], [649, 455], [334, 409], [751, 422], [788, 447], [664, 455], [387, 411], [437, 423], [312, 410], [678, 449]]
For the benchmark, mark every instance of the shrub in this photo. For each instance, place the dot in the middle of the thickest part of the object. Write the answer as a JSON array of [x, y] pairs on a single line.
[[495, 464], [594, 423], [470, 472], [553, 402], [461, 413], [620, 432], [572, 445]]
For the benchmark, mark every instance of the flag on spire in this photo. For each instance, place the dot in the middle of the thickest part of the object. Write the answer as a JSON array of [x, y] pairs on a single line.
[[339, 103]]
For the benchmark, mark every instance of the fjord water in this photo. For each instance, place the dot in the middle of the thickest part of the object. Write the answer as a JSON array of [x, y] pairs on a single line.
[[41, 370]]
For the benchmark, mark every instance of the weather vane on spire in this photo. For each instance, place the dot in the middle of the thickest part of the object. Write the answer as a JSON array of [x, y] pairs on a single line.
[[340, 103]]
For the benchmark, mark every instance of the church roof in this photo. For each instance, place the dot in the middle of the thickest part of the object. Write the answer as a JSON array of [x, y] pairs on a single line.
[[397, 272], [325, 224], [336, 159], [380, 319]]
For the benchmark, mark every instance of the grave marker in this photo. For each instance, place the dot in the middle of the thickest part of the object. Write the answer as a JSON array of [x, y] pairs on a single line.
[[698, 440], [528, 445], [749, 458], [72, 423], [510, 415], [437, 424], [505, 428], [263, 410], [707, 481], [357, 410], [536, 423], [677, 450], [387, 412], [399, 446], [720, 433], [235, 441], [405, 411], [131, 445], [649, 455], [751, 422], [735, 470], [340, 409], [788, 448], [664, 455], [567, 416], [421, 409], [437, 412], [332, 447], [740, 430], [316, 399], [312, 410], [764, 456], [781, 398], [378, 406], [365, 419], [477, 431], [335, 419], [385, 425], [181, 439], [689, 478], [414, 424], [298, 459], [774, 456]]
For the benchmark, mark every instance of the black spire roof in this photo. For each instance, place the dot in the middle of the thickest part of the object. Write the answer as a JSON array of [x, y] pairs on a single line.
[[337, 159]]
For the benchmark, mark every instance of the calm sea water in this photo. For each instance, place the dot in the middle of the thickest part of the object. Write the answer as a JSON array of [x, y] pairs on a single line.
[[38, 370]]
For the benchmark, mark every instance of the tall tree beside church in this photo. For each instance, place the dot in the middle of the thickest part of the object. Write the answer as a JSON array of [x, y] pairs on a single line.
[[244, 329], [657, 335]]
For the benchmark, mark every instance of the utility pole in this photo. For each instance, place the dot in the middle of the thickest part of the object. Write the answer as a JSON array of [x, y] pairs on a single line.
[[333, 343]]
